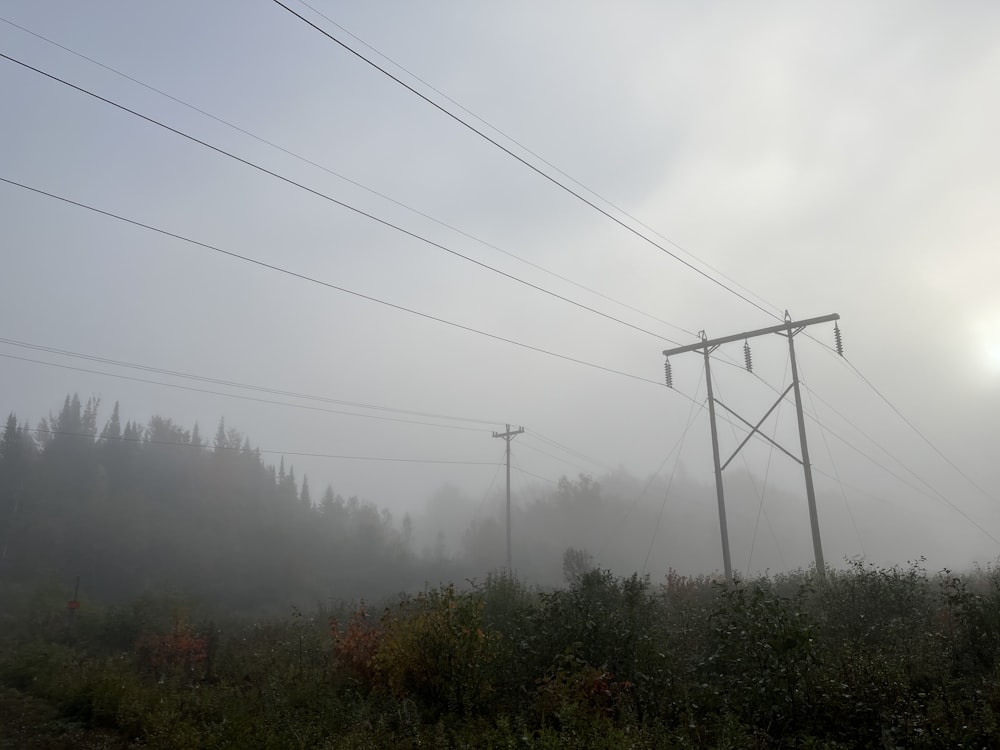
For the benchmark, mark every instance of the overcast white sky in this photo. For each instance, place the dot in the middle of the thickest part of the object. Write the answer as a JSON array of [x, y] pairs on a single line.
[[837, 157]]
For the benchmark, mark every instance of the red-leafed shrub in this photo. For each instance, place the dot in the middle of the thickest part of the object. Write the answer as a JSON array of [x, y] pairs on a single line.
[[178, 652], [355, 645]]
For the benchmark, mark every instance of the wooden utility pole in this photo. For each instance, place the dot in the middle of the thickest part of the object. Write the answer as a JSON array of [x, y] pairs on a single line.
[[508, 436], [727, 562], [788, 329]]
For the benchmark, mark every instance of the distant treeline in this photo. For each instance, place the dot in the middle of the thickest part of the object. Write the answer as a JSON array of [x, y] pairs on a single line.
[[131, 507]]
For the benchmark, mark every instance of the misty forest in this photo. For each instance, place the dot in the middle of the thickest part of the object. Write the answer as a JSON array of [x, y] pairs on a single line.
[[129, 507], [162, 589], [499, 375]]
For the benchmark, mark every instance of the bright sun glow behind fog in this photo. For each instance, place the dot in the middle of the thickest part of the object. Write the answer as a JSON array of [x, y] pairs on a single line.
[[987, 332]]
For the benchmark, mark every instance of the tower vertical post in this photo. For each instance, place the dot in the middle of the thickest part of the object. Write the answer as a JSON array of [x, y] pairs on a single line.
[[806, 465], [719, 490]]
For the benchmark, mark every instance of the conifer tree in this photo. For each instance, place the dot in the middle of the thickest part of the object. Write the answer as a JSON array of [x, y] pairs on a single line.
[[70, 419], [88, 422], [112, 430], [221, 442], [287, 491], [304, 496], [9, 439], [44, 431]]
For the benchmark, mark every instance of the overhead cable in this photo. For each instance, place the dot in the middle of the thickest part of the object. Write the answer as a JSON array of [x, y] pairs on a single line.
[[328, 285], [590, 203], [544, 161], [305, 454], [579, 196], [350, 181], [237, 395], [331, 199], [919, 434], [234, 384]]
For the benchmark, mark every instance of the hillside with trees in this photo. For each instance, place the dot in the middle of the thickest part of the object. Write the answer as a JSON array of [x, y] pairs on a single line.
[[131, 508]]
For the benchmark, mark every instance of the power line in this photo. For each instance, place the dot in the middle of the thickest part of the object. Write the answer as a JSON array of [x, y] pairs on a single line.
[[543, 160], [582, 198], [524, 486], [235, 384], [805, 456], [304, 277], [530, 474], [916, 430], [446, 249], [305, 454], [652, 477], [525, 162], [331, 199], [853, 369], [554, 457], [679, 447], [762, 492], [836, 473], [864, 434], [148, 368], [860, 491], [571, 451], [908, 422], [343, 177], [937, 495], [236, 395], [479, 507], [933, 493]]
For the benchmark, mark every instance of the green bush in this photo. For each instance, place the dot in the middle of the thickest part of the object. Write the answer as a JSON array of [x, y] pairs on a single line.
[[873, 658], [436, 649]]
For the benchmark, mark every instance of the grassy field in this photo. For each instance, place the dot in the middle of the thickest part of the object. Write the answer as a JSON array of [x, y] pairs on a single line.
[[878, 658]]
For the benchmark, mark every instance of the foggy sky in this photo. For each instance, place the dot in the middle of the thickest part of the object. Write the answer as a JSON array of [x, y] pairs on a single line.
[[838, 159]]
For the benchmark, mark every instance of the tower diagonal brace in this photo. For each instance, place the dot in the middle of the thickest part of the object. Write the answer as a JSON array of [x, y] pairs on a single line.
[[755, 430]]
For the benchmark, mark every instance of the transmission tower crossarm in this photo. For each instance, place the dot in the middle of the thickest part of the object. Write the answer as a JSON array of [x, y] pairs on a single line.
[[781, 328]]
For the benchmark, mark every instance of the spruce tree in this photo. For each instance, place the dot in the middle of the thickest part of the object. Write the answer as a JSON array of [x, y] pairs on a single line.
[[304, 498], [113, 429]]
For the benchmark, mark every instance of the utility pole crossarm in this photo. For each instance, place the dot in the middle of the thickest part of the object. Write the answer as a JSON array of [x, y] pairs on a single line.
[[712, 343]]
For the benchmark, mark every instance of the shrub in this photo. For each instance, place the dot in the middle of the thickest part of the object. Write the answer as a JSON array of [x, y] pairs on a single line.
[[435, 649]]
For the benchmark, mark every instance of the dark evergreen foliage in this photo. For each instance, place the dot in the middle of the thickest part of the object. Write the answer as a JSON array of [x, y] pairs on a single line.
[[147, 506]]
